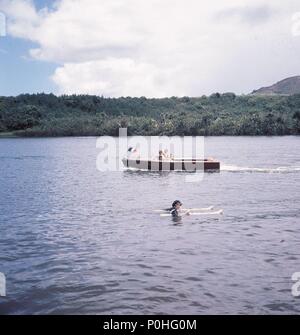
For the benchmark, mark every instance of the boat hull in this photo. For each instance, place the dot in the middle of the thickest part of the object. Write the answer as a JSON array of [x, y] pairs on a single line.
[[173, 165]]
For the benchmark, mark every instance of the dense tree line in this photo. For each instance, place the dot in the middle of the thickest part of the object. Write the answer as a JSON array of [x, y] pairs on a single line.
[[217, 114]]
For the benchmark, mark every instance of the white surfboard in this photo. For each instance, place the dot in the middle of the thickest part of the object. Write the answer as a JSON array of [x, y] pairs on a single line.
[[219, 212], [204, 209]]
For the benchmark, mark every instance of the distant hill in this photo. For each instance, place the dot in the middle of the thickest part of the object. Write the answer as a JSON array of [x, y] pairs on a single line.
[[286, 86]]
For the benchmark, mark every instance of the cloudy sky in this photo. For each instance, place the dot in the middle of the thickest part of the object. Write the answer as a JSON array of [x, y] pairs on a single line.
[[151, 48]]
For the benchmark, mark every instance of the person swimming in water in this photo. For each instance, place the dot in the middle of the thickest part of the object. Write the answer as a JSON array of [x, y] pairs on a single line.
[[176, 210]]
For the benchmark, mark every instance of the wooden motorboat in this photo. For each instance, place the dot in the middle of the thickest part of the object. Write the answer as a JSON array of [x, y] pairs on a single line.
[[177, 164]]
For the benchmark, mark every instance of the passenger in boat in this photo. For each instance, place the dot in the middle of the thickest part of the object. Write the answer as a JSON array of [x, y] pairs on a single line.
[[176, 211], [164, 155], [167, 155]]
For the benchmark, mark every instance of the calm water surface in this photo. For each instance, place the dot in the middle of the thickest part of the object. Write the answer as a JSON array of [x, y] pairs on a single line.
[[76, 240]]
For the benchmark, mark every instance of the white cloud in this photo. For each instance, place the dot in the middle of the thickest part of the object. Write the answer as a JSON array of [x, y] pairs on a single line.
[[112, 77], [157, 48], [246, 14], [22, 17]]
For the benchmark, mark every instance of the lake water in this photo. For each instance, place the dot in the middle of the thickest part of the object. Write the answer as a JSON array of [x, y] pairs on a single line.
[[76, 240]]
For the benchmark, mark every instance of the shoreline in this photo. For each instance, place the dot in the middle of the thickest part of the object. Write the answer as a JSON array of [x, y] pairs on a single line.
[[16, 136]]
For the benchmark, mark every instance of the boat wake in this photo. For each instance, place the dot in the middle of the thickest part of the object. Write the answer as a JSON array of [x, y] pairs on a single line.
[[279, 169]]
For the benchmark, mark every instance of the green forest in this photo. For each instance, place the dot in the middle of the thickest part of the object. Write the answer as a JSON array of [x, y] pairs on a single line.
[[87, 115]]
